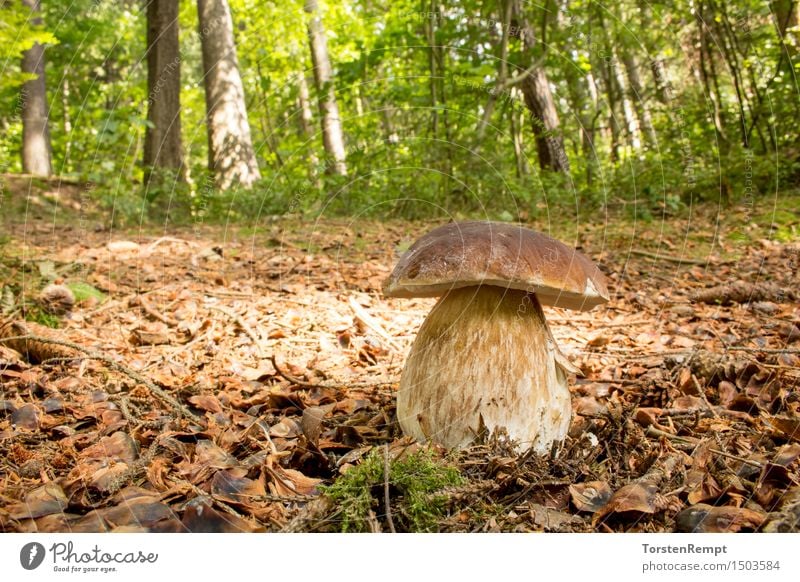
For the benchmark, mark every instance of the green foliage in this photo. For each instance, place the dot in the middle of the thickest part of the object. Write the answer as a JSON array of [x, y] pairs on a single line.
[[414, 482], [406, 155]]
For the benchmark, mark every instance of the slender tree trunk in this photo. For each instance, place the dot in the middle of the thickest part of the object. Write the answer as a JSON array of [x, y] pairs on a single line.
[[516, 136], [539, 100], [162, 143], [332, 136], [582, 95], [430, 38], [307, 125], [706, 62], [306, 115], [613, 132], [632, 129], [787, 16], [637, 96], [230, 147], [502, 73], [66, 118], [35, 131], [387, 121], [266, 120], [656, 62]]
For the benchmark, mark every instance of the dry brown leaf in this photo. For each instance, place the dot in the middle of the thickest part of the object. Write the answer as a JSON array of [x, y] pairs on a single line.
[[590, 496], [703, 518]]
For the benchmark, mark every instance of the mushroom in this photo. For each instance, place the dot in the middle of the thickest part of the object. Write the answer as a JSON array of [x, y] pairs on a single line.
[[484, 358]]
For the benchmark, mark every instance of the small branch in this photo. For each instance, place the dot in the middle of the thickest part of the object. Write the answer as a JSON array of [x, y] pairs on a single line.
[[134, 469], [671, 259], [737, 458], [133, 374], [386, 497], [367, 320], [309, 514], [654, 432], [150, 310], [152, 246], [516, 79], [241, 323], [293, 379], [764, 350]]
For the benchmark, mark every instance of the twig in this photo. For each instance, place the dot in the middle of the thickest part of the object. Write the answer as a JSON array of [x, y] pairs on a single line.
[[135, 468], [386, 497], [239, 294], [133, 374], [150, 310], [764, 350], [366, 319], [293, 379], [241, 323], [671, 259], [307, 515], [334, 386], [151, 247], [737, 458], [653, 431]]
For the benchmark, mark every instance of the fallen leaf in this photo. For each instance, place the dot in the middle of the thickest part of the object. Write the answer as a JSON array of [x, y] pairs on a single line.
[[703, 518], [590, 496]]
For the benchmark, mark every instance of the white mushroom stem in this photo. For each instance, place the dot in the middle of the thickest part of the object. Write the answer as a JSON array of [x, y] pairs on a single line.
[[484, 360]]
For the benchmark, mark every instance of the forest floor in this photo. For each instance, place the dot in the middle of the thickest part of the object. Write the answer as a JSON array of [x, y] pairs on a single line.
[[243, 379]]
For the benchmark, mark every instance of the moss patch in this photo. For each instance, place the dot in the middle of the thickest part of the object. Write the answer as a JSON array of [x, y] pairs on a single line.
[[416, 484]]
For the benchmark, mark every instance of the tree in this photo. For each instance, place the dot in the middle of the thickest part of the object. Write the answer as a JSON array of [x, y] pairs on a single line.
[[332, 138], [539, 100], [230, 149], [162, 144], [35, 131], [637, 96]]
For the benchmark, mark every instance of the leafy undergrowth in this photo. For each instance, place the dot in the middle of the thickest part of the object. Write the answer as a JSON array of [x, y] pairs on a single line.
[[246, 382]]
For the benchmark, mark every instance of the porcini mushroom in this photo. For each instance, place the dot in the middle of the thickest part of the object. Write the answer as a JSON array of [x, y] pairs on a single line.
[[484, 358]]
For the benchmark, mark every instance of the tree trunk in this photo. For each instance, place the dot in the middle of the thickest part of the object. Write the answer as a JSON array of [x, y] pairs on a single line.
[[307, 126], [267, 126], [332, 137], [35, 132], [637, 96], [787, 16], [502, 73], [613, 132], [430, 38], [304, 99], [707, 58], [539, 100], [230, 147], [631, 127], [657, 66], [162, 142], [516, 135], [66, 119]]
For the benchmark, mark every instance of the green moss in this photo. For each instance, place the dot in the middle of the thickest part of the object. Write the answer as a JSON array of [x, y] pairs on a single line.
[[414, 482], [43, 318], [83, 291]]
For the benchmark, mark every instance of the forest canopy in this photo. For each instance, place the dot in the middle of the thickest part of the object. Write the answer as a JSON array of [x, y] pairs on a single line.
[[223, 109]]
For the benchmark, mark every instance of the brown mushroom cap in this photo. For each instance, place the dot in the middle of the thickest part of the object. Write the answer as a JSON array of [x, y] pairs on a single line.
[[465, 254]]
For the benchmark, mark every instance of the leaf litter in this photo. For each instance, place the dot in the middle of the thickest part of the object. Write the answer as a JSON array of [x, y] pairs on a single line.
[[248, 384]]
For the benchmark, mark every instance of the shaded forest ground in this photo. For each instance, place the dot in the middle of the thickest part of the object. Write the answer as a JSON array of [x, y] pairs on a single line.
[[241, 378]]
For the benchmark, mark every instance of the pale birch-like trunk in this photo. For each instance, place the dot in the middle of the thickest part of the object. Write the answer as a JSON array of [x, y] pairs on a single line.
[[35, 131], [230, 147], [332, 135]]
